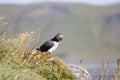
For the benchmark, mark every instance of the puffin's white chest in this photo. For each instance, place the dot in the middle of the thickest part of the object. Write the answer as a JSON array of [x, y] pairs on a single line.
[[54, 47]]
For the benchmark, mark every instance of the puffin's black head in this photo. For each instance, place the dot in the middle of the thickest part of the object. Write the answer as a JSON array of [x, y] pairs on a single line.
[[58, 37]]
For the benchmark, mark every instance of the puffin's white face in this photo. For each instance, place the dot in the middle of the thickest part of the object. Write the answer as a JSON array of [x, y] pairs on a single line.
[[59, 36]]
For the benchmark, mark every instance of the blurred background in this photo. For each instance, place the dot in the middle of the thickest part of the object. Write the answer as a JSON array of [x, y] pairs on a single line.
[[90, 27]]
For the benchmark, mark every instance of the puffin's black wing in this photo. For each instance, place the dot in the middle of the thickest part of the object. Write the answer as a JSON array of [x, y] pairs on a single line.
[[46, 46]]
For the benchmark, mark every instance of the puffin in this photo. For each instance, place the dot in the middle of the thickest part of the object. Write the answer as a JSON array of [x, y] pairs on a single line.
[[50, 45]]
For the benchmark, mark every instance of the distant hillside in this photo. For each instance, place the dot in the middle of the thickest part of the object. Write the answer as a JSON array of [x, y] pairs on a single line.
[[88, 30]]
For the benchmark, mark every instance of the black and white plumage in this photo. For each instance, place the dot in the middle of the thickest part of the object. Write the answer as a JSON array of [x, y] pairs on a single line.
[[52, 44]]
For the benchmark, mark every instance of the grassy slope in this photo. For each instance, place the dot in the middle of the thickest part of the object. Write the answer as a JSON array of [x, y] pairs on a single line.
[[17, 63], [86, 24]]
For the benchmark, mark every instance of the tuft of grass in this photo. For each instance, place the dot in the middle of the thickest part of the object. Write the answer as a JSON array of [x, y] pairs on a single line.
[[101, 76], [116, 75], [108, 64], [118, 64], [18, 63]]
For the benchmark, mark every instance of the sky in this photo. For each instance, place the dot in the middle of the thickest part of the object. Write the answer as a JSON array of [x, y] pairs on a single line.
[[92, 2]]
